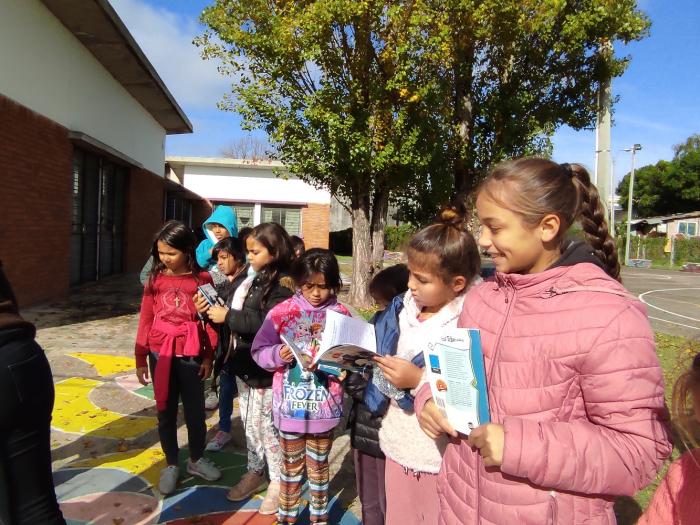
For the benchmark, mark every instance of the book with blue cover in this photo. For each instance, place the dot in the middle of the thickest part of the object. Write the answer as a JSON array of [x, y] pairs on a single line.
[[454, 366]]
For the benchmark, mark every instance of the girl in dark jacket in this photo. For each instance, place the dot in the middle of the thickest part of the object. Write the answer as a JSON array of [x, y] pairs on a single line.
[[364, 426], [27, 493], [269, 254]]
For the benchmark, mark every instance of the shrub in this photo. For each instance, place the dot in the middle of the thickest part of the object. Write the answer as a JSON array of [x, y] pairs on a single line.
[[396, 237]]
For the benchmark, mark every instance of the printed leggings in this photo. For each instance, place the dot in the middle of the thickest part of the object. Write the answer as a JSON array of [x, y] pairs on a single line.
[[261, 437], [299, 451]]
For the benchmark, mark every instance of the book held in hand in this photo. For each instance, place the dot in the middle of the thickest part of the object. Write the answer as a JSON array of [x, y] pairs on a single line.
[[346, 344], [454, 365], [210, 295]]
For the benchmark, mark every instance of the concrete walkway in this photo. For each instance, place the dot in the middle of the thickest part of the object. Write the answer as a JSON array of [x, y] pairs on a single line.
[[105, 445]]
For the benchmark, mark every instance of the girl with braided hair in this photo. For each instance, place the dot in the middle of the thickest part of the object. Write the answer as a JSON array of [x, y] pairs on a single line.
[[575, 389]]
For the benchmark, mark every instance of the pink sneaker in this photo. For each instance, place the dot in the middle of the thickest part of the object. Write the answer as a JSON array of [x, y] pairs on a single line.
[[218, 441]]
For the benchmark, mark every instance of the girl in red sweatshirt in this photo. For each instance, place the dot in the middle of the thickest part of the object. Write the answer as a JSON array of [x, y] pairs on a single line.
[[176, 347]]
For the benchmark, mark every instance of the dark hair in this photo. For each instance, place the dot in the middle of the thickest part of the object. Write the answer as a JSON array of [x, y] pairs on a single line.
[[317, 260], [537, 187], [243, 234], [389, 282], [448, 240], [298, 245], [681, 402], [276, 240], [230, 245], [179, 236]]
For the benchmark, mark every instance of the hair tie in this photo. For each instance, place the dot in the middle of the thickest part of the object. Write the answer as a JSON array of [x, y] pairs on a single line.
[[567, 169]]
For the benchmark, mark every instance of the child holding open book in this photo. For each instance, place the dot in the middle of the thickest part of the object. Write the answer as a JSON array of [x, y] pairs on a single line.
[[443, 261], [307, 404]]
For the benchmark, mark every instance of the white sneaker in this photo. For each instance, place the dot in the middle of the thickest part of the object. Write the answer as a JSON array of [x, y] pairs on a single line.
[[218, 441], [168, 479], [211, 401], [203, 468]]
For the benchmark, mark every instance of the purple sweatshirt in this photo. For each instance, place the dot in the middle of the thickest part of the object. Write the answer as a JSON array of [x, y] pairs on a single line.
[[302, 402]]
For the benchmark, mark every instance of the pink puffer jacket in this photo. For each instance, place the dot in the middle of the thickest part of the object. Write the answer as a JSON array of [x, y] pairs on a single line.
[[573, 377]]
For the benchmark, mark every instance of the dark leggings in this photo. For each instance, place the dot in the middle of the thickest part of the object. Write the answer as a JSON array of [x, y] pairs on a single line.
[[27, 495], [184, 383]]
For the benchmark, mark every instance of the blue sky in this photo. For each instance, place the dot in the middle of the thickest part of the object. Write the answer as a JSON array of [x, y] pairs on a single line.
[[659, 93]]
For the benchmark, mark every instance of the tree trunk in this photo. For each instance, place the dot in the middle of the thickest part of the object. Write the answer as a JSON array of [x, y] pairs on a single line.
[[464, 118], [380, 210], [361, 254]]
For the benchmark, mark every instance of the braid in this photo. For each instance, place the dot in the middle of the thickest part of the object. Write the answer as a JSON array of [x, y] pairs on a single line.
[[591, 215]]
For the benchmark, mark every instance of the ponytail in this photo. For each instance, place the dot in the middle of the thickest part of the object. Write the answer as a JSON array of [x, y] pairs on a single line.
[[591, 215], [538, 187]]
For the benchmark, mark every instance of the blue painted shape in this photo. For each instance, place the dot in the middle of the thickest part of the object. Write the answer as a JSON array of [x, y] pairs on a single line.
[[200, 501], [72, 483]]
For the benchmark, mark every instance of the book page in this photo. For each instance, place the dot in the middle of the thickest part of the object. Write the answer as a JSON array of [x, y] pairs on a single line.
[[343, 330], [302, 359]]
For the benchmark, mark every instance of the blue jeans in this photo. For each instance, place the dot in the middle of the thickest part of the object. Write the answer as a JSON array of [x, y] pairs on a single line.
[[227, 391]]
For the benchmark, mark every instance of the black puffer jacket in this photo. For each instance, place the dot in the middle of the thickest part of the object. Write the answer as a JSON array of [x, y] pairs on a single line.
[[245, 323], [364, 427]]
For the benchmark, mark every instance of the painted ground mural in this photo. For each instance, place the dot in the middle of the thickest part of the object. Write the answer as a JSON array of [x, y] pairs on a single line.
[[107, 456]]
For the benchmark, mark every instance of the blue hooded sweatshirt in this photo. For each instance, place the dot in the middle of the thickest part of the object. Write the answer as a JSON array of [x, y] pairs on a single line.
[[224, 215]]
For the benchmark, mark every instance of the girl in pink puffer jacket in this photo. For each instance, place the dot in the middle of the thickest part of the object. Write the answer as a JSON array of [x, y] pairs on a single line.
[[575, 388]]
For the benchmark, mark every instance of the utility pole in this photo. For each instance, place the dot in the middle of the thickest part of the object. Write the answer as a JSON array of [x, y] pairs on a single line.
[[602, 174], [633, 149]]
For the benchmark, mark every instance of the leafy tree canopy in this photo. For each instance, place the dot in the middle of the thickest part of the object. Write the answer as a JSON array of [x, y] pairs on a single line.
[[666, 187]]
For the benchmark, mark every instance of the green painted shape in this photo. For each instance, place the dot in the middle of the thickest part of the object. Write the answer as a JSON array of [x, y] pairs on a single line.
[[146, 391]]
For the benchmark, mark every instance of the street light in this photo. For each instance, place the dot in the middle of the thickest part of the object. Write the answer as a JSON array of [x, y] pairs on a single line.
[[633, 149]]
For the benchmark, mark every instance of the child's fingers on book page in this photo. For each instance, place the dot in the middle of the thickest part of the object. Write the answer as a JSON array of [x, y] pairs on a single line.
[[432, 419]]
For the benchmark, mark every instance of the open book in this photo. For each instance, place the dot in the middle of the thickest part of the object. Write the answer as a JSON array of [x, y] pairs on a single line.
[[346, 343], [454, 366]]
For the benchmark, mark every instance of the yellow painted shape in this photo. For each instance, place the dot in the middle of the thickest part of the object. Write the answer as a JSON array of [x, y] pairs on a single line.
[[107, 365], [146, 463], [74, 412]]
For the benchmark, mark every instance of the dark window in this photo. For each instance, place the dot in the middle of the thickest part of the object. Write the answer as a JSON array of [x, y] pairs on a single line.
[[288, 218], [97, 217]]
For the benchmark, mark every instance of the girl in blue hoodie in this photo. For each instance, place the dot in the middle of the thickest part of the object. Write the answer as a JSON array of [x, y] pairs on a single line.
[[221, 223], [306, 406]]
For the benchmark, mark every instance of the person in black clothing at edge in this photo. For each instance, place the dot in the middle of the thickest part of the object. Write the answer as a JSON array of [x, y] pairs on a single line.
[[27, 495], [364, 427]]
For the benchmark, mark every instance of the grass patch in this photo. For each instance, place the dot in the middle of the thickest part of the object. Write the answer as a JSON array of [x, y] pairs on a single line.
[[675, 355]]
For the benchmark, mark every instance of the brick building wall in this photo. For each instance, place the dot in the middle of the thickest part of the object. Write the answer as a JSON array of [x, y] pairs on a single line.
[[143, 217], [201, 210], [36, 178], [35, 203], [314, 225]]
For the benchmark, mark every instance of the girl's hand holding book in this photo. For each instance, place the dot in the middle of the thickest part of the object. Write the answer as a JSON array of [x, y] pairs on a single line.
[[399, 372], [433, 423], [217, 314], [200, 303], [142, 375], [205, 369], [489, 439], [286, 354]]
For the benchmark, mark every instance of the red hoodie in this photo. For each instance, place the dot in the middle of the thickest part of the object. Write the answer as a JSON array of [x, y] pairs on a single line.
[[169, 326]]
